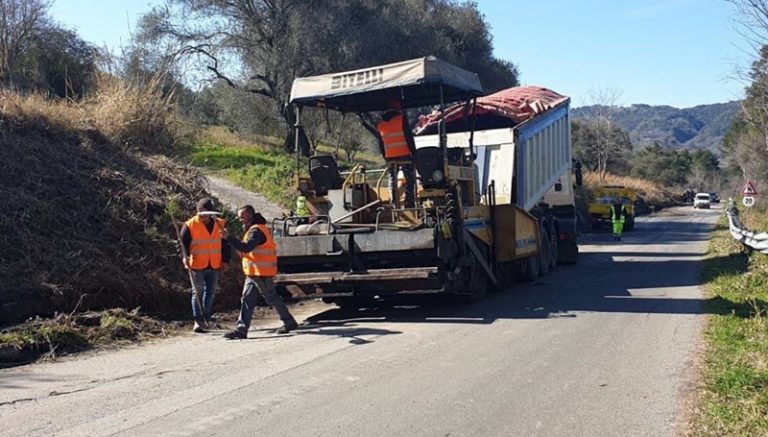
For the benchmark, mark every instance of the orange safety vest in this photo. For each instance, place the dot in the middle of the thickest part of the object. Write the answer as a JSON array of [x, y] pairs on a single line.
[[205, 248], [262, 260], [393, 137]]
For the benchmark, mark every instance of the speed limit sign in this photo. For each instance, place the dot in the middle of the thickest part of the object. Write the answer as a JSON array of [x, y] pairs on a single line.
[[748, 201]]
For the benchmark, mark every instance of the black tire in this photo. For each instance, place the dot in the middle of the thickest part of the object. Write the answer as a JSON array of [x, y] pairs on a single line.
[[505, 274], [528, 268], [568, 252], [474, 284]]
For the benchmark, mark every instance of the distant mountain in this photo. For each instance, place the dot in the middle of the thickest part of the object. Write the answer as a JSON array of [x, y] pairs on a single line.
[[700, 127]]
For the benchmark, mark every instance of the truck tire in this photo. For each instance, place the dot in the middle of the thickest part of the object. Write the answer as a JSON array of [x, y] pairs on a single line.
[[505, 274], [528, 268], [568, 251], [474, 284]]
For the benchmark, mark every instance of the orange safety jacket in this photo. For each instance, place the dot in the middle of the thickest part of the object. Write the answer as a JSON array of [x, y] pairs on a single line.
[[261, 261], [393, 137], [205, 248]]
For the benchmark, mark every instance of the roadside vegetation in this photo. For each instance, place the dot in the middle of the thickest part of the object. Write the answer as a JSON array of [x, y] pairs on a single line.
[[733, 397], [68, 333], [652, 195]]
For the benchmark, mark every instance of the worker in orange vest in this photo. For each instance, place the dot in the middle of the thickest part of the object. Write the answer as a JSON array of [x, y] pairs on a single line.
[[398, 149], [207, 256], [259, 255]]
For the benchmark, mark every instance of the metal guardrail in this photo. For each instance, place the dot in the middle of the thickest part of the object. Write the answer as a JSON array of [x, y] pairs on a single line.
[[757, 241]]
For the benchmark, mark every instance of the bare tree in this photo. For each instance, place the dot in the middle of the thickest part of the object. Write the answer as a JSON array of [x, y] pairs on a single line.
[[600, 123], [18, 21], [746, 146], [752, 21], [752, 24]]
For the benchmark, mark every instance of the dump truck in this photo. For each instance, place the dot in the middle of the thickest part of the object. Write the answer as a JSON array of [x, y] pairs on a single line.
[[604, 198], [479, 220], [522, 141]]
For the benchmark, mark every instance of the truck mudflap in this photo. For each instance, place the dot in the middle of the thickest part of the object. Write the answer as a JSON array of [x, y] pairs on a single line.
[[340, 283]]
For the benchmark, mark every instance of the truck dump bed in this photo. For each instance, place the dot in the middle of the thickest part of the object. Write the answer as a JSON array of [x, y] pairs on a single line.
[[523, 141]]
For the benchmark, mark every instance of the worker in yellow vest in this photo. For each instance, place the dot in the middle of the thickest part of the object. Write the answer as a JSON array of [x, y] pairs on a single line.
[[618, 217], [259, 255], [302, 210], [398, 149], [207, 256]]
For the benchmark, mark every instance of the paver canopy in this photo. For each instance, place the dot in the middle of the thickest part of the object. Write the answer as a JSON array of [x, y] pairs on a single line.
[[414, 83]]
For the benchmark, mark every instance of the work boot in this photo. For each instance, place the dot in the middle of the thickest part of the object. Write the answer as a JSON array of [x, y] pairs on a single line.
[[235, 335], [198, 328], [286, 328]]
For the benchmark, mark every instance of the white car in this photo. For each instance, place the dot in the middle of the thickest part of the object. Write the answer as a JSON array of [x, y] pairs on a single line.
[[701, 201]]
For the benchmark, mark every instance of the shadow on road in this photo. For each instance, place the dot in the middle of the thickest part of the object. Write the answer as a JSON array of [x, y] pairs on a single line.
[[671, 231], [626, 281], [329, 328]]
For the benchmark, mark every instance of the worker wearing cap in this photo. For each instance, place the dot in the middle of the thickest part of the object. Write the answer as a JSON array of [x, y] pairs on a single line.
[[259, 255], [207, 255], [398, 149], [618, 215]]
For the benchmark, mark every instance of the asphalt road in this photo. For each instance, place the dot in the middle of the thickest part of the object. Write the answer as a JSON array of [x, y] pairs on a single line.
[[603, 348]]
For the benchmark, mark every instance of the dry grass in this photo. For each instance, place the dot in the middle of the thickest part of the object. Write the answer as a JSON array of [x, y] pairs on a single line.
[[652, 193], [36, 109], [133, 114], [129, 114]]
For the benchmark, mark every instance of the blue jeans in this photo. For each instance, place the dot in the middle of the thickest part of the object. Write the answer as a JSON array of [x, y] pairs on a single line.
[[205, 283]]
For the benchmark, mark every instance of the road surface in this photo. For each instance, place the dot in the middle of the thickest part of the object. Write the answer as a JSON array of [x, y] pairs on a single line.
[[603, 348]]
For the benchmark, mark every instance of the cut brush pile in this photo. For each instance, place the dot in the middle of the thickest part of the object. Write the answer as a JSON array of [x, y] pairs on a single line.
[[87, 193]]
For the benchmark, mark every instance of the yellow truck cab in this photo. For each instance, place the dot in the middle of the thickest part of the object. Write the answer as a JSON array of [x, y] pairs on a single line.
[[600, 207]]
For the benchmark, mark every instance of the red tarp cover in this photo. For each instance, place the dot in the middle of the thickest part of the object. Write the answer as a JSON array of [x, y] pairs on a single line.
[[518, 104]]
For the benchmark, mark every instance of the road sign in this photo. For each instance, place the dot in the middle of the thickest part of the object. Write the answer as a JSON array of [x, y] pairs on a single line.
[[749, 189], [748, 201]]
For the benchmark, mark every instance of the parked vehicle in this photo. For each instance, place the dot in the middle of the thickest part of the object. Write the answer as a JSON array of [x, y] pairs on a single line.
[[701, 201], [714, 198], [478, 219]]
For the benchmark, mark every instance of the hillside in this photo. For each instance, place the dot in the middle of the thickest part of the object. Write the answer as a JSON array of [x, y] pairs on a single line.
[[699, 127], [90, 189]]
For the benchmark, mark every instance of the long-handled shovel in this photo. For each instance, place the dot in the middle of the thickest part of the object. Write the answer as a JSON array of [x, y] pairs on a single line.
[[189, 271]]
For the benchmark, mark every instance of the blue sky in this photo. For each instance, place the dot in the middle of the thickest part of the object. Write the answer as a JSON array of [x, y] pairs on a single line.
[[662, 52]]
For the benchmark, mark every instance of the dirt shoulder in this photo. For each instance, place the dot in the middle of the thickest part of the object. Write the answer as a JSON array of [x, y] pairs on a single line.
[[234, 197]]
